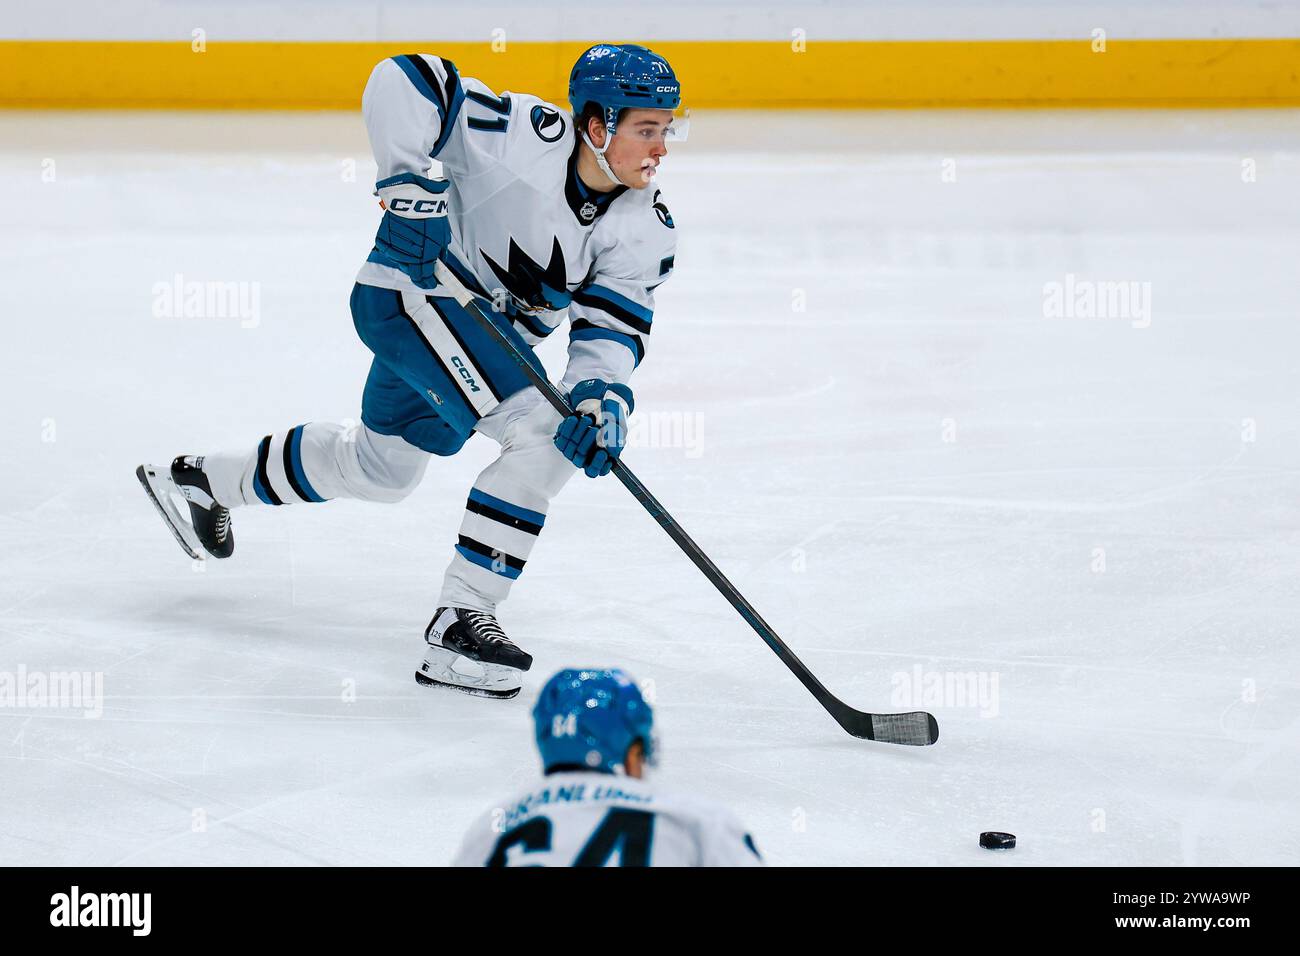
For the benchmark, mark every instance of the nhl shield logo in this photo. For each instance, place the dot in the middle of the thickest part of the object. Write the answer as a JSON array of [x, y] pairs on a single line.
[[548, 124], [588, 211]]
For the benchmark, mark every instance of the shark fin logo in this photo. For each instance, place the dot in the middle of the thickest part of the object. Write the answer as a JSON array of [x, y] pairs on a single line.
[[534, 287]]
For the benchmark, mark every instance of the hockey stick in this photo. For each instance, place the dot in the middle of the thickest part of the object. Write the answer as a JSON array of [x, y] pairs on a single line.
[[917, 728]]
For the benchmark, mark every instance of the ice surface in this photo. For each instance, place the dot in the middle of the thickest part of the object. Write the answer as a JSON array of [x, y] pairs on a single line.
[[912, 471]]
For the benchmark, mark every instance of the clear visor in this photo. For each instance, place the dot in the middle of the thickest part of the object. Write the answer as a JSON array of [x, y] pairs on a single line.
[[680, 127], [675, 132]]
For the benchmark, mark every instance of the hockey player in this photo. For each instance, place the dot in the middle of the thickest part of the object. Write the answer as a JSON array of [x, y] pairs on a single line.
[[594, 808], [541, 210]]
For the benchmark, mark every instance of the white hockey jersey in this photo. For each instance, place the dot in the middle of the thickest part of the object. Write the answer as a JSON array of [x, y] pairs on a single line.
[[526, 232], [596, 819]]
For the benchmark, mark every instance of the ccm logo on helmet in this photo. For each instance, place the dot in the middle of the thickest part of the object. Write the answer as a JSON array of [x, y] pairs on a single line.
[[421, 207]]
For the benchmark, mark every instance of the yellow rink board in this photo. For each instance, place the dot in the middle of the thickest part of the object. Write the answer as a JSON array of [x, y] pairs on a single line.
[[721, 74]]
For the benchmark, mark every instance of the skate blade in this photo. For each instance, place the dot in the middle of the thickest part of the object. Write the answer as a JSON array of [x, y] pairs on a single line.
[[444, 668], [158, 485]]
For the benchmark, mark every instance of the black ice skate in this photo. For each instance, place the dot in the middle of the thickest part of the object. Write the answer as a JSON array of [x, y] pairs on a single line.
[[208, 525], [467, 650]]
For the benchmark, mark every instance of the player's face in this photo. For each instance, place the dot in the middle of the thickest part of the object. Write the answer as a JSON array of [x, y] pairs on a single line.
[[638, 146], [634, 762]]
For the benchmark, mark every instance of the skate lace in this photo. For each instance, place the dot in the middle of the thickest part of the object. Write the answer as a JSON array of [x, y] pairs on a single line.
[[486, 626], [223, 523]]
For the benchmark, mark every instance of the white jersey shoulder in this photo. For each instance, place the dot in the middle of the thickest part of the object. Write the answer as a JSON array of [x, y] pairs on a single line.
[[418, 108], [591, 819], [527, 135], [637, 237]]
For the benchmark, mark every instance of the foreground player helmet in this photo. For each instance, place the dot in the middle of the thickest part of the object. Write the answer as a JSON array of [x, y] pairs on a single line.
[[619, 76], [588, 718]]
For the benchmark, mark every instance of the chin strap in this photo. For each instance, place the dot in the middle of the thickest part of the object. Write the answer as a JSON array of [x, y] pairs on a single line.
[[600, 157]]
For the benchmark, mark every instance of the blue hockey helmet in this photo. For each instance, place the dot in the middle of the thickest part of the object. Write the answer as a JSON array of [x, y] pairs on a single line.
[[618, 76], [589, 718]]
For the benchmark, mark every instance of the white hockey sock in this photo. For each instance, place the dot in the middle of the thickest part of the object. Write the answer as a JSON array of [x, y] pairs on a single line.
[[497, 535], [316, 462]]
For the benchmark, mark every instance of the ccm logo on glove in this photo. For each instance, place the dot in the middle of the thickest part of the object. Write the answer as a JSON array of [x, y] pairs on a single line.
[[429, 207], [415, 230]]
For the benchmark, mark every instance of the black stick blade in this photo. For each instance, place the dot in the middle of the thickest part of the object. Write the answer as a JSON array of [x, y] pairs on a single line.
[[916, 729]]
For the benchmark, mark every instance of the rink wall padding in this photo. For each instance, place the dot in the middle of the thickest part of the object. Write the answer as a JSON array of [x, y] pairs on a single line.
[[717, 74]]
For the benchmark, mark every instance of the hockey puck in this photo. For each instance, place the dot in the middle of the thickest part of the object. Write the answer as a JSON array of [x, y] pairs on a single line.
[[994, 840]]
